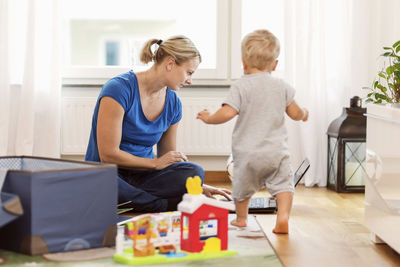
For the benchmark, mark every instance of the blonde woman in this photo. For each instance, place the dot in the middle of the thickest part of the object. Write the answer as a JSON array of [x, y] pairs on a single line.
[[136, 111]]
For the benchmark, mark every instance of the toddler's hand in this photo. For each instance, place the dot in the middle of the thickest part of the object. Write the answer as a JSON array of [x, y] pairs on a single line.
[[203, 115], [305, 118]]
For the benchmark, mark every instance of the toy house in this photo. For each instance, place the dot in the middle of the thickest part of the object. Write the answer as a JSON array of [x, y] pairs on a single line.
[[201, 223], [198, 213]]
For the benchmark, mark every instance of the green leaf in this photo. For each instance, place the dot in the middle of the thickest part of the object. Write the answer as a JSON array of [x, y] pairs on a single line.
[[369, 100], [380, 96], [382, 74], [391, 85], [396, 44], [389, 70], [398, 49], [376, 84], [369, 94], [387, 48], [386, 54], [379, 101]]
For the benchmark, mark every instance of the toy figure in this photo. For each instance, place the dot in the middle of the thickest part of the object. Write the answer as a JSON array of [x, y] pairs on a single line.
[[138, 230], [162, 227]]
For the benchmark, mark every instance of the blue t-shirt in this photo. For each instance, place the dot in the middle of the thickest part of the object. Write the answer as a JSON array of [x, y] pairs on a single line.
[[139, 135]]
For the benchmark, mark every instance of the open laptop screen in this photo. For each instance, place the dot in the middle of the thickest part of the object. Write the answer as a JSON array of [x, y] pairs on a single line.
[[301, 170]]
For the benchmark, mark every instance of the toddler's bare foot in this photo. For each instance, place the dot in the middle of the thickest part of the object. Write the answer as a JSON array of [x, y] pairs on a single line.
[[239, 223], [281, 228]]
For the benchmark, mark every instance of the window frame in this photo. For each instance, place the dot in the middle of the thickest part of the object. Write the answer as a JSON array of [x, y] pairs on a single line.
[[236, 70], [97, 74], [236, 37]]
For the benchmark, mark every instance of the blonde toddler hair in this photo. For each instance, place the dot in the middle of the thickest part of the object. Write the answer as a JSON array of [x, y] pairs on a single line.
[[260, 49], [178, 47]]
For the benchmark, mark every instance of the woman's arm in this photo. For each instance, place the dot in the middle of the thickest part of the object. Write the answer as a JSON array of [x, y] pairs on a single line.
[[109, 133], [167, 143]]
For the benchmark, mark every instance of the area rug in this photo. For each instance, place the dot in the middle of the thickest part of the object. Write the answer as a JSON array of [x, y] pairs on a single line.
[[80, 255], [251, 244]]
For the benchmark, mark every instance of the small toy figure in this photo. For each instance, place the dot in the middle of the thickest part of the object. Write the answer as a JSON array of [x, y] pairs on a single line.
[[137, 230], [162, 227]]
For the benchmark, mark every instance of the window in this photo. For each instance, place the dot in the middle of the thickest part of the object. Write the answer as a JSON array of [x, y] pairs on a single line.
[[112, 53], [253, 15], [103, 38]]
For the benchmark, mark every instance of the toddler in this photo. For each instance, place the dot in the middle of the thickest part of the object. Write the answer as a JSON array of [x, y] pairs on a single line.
[[259, 139]]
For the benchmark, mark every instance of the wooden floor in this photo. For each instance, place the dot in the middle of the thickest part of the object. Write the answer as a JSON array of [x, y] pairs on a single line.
[[326, 229]]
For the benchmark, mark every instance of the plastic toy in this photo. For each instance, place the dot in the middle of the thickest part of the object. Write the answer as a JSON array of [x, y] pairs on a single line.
[[197, 208], [199, 228], [139, 230]]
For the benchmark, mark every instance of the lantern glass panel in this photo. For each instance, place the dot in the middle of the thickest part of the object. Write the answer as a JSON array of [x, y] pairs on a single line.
[[333, 159], [355, 163]]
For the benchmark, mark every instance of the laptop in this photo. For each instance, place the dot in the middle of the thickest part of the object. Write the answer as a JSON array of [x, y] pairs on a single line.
[[269, 204]]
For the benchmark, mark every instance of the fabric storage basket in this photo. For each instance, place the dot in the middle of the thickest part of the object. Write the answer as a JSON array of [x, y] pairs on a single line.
[[10, 208], [68, 205]]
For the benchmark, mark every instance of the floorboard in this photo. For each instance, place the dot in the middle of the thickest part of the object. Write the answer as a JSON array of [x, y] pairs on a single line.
[[326, 229]]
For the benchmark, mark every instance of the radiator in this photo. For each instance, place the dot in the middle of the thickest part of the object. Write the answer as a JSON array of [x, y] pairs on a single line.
[[194, 136], [198, 138], [76, 123]]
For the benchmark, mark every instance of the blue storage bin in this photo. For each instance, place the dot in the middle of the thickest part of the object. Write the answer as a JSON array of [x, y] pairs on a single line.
[[10, 208], [68, 205]]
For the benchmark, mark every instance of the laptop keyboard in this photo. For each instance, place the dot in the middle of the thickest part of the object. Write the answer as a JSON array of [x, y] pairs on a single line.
[[262, 202]]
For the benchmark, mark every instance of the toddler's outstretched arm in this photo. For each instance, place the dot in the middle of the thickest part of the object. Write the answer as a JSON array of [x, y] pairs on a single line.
[[296, 113], [224, 114]]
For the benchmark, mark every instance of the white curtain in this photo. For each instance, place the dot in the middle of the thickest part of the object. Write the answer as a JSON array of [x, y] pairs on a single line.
[[331, 50], [30, 77]]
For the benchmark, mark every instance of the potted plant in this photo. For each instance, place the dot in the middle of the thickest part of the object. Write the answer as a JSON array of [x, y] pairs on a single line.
[[386, 88]]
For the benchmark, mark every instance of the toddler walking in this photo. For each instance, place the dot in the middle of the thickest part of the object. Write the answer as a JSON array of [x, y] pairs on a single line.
[[259, 139]]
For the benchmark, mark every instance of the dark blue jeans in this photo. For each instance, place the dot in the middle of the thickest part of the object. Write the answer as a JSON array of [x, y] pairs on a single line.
[[156, 191]]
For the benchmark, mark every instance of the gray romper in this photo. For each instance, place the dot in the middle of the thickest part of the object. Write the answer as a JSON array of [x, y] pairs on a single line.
[[259, 140]]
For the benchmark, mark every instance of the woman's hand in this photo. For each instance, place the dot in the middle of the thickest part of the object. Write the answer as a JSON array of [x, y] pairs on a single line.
[[210, 191], [169, 158]]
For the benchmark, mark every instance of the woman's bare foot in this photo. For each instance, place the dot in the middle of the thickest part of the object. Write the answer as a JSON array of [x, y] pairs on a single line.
[[281, 228], [239, 223]]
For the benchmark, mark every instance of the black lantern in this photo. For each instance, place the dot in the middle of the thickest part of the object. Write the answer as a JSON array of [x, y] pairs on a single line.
[[346, 149]]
